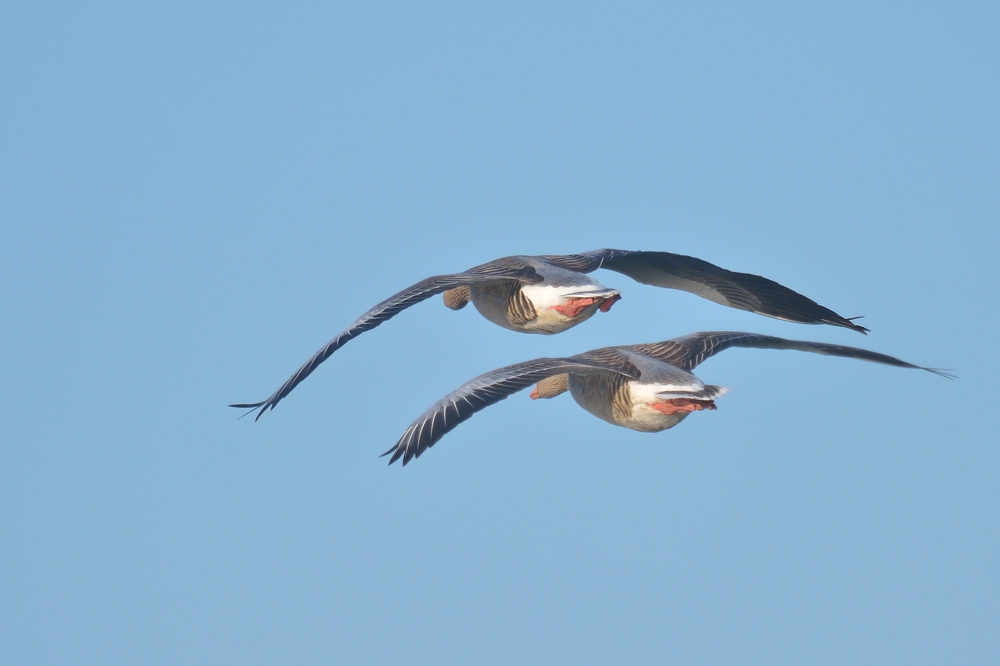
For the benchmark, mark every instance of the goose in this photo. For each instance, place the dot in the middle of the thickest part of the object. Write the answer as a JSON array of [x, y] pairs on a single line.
[[549, 294], [644, 387]]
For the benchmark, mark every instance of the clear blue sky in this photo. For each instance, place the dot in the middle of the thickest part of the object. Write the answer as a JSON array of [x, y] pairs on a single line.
[[195, 196]]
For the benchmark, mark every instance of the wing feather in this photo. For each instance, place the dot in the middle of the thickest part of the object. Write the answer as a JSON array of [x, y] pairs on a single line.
[[389, 308], [743, 291], [689, 351], [490, 388]]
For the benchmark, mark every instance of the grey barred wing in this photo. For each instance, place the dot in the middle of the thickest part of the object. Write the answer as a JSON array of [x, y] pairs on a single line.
[[386, 310], [743, 291], [488, 389], [689, 351]]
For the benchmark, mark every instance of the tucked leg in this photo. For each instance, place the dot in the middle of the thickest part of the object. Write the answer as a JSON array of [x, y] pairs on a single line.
[[680, 405]]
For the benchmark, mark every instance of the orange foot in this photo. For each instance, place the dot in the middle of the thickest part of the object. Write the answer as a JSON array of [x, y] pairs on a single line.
[[608, 302], [681, 405], [575, 306]]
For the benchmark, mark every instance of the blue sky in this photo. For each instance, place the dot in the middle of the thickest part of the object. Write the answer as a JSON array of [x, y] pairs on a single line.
[[196, 196]]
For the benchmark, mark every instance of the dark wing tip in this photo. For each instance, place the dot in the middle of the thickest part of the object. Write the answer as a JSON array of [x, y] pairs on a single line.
[[942, 373], [253, 407], [849, 323], [396, 451]]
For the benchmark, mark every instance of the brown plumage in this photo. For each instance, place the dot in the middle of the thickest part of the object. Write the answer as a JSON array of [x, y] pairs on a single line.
[[551, 387], [457, 298], [605, 396], [505, 304]]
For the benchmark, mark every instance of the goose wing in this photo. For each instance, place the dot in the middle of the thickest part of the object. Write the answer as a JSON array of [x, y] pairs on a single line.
[[689, 351], [502, 270], [743, 291], [490, 388]]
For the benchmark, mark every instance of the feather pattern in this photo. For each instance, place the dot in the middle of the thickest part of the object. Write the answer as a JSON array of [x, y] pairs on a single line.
[[689, 351], [743, 291], [386, 310], [488, 389], [504, 302], [608, 381]]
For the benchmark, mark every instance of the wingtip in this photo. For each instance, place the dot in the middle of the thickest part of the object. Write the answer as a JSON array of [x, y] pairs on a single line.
[[396, 453], [856, 327], [251, 408]]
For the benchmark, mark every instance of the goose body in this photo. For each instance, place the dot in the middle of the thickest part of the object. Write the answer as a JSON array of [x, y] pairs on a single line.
[[645, 387], [560, 300], [659, 399], [551, 293]]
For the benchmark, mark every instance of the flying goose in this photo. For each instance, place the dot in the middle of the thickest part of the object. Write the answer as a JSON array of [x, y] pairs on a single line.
[[551, 293], [646, 387]]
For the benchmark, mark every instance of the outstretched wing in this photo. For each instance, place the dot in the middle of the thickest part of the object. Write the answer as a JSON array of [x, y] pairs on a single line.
[[389, 308], [743, 291], [488, 389], [688, 351]]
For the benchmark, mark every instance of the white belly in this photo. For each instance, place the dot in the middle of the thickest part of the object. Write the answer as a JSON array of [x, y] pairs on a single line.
[[647, 419], [549, 321], [544, 297]]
